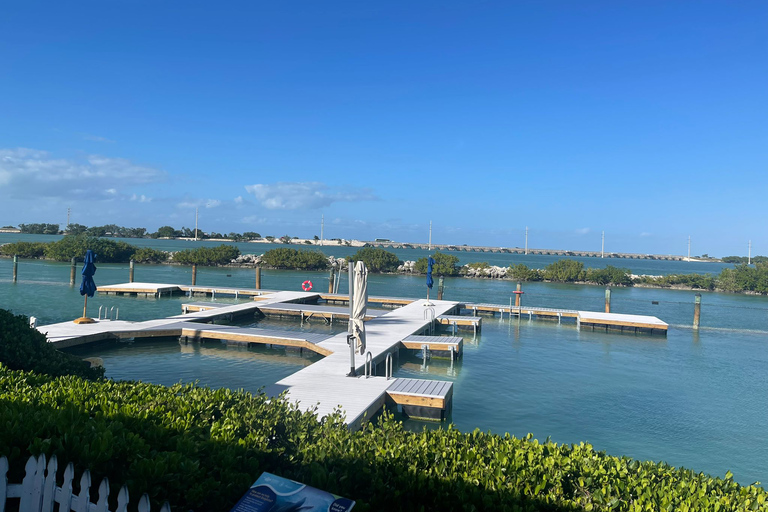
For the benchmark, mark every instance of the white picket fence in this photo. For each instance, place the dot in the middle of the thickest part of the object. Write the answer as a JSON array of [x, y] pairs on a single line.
[[38, 491]]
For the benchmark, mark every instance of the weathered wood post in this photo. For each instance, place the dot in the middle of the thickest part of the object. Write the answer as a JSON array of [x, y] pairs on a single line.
[[15, 268], [194, 274], [258, 277], [696, 310], [130, 271], [72, 271], [331, 279], [518, 293], [607, 299], [440, 287]]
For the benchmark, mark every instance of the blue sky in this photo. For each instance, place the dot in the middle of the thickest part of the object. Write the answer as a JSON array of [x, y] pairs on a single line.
[[646, 120]]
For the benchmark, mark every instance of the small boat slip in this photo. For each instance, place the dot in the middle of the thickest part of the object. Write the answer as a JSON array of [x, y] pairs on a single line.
[[428, 399], [307, 311], [456, 321], [450, 345], [159, 290]]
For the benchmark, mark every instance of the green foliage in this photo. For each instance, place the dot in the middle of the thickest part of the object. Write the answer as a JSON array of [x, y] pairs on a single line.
[[744, 278], [377, 260], [40, 229], [25, 348], [445, 265], [149, 255], [167, 232], [75, 229], [521, 272], [695, 281], [107, 251], [565, 271], [24, 249], [743, 259], [286, 257], [201, 449], [478, 265], [220, 255], [609, 275]]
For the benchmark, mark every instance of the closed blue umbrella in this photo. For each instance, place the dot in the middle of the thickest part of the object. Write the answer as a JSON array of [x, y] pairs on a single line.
[[88, 286], [430, 281]]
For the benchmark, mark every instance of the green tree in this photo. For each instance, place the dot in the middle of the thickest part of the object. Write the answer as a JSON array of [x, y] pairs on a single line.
[[75, 229], [565, 271], [107, 251], [377, 260], [211, 256], [445, 265], [609, 275], [166, 232], [289, 258], [521, 272]]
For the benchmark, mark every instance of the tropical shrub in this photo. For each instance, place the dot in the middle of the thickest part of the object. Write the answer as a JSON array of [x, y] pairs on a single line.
[[286, 257], [377, 260], [445, 265], [107, 251], [149, 255], [220, 255], [565, 271], [24, 249], [25, 348], [521, 272], [201, 449], [609, 275]]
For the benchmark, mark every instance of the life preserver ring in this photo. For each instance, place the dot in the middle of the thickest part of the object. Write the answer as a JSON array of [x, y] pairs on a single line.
[[306, 285]]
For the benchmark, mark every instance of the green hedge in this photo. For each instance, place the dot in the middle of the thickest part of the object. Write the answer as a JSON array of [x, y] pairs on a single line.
[[24, 249], [149, 255], [107, 251], [201, 449], [220, 255], [23, 348], [376, 259], [288, 258], [445, 265]]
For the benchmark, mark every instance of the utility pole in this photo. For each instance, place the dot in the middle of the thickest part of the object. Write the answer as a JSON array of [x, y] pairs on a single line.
[[749, 257], [689, 247], [602, 248], [69, 211], [430, 235], [322, 227], [526, 239], [196, 208]]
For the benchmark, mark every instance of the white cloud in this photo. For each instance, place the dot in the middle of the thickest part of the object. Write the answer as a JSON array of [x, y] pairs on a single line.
[[33, 173], [142, 198], [304, 195], [583, 231], [239, 200], [199, 203], [212, 203]]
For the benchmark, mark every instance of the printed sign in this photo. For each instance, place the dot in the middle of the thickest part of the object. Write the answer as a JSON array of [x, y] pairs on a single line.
[[271, 493]]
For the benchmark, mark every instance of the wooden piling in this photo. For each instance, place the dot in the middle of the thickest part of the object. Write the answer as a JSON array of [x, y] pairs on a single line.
[[331, 279], [194, 274], [697, 311], [258, 278], [518, 294], [130, 271], [72, 271], [440, 287], [15, 268], [607, 299]]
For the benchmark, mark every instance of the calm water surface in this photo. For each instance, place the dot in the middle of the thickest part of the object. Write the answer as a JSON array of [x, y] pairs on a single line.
[[698, 400]]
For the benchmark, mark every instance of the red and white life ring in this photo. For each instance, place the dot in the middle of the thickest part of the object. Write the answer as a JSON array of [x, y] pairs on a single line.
[[306, 285]]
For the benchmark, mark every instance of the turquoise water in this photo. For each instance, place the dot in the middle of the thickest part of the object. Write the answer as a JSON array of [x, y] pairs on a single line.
[[694, 399]]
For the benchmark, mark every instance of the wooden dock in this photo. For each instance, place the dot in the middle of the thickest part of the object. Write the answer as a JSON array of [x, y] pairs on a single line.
[[422, 399], [452, 346], [456, 321], [389, 302]]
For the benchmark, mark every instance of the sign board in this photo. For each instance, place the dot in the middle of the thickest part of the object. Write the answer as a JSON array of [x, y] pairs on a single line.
[[273, 493]]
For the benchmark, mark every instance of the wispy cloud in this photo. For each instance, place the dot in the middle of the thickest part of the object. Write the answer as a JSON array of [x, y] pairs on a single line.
[[96, 138], [199, 203], [583, 231], [309, 195], [141, 198], [34, 173]]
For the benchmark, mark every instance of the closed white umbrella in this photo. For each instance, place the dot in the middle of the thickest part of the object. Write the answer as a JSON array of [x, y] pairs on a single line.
[[359, 305]]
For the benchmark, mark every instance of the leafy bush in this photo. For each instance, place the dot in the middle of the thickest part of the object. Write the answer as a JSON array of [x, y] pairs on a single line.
[[377, 260], [445, 265], [220, 255], [201, 449], [695, 281], [285, 257], [25, 348], [24, 249], [565, 271], [521, 272], [107, 251], [609, 275], [149, 255]]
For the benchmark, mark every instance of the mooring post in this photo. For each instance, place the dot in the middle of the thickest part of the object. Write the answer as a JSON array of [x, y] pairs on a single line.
[[15, 268], [72, 271], [130, 271], [258, 277], [607, 299], [440, 287], [194, 274], [518, 293], [697, 311], [330, 280]]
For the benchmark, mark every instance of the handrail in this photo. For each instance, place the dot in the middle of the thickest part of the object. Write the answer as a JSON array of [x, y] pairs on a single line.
[[369, 369], [388, 366]]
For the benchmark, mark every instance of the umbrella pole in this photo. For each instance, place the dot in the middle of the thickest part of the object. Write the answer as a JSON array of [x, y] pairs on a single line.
[[85, 306]]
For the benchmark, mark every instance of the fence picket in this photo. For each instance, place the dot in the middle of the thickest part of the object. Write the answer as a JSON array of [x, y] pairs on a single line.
[[38, 491], [49, 489]]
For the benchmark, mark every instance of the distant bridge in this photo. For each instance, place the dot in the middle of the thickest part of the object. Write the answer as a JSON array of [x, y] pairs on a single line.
[[518, 250]]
